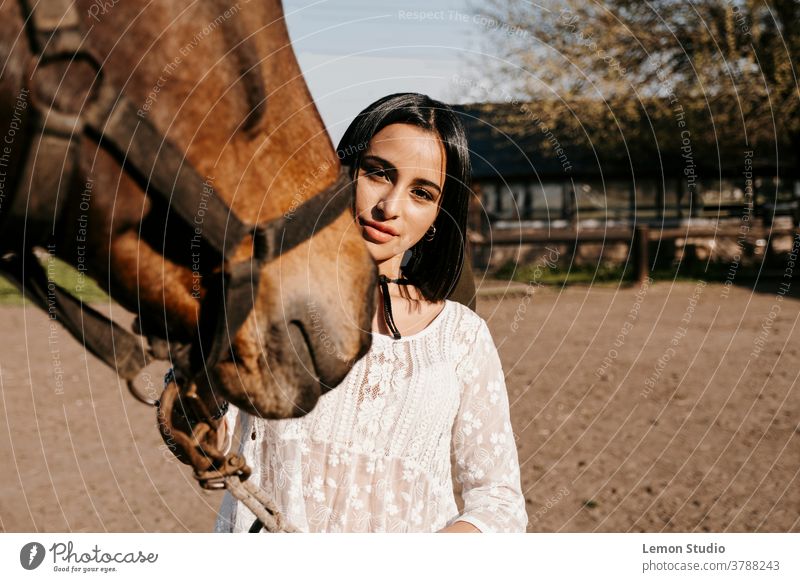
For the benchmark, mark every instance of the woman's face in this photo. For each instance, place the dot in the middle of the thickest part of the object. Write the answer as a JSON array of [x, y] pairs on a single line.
[[399, 188]]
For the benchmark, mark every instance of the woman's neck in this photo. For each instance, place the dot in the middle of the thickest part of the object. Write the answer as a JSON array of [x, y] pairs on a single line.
[[391, 267]]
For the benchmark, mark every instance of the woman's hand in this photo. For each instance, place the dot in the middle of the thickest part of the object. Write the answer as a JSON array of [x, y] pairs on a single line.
[[460, 527]]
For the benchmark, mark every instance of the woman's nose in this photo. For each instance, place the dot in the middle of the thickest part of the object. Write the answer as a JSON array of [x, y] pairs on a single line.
[[390, 202]]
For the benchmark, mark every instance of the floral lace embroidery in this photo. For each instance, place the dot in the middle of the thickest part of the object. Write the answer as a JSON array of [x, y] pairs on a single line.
[[374, 455]]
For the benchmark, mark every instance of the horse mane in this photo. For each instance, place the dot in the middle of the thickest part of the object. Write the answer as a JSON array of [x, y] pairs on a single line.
[[239, 45]]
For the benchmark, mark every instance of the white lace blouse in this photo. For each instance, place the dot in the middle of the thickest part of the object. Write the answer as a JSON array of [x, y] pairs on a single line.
[[374, 454]]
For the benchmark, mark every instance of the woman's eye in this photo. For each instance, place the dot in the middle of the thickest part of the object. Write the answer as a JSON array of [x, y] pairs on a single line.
[[424, 194], [376, 172]]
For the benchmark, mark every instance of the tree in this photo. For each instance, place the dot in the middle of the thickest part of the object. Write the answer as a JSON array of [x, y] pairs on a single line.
[[613, 69]]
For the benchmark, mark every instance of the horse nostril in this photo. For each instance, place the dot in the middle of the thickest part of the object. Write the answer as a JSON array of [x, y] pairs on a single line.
[[301, 347], [304, 355]]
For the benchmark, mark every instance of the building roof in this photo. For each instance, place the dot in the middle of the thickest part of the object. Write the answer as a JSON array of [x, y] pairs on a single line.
[[510, 141]]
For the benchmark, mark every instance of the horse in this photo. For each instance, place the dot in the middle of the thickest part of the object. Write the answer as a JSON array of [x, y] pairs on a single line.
[[172, 152]]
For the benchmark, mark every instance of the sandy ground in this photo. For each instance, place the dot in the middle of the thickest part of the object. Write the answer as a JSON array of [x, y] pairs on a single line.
[[665, 407]]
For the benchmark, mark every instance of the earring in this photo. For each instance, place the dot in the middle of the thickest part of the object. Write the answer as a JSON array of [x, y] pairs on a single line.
[[431, 233]]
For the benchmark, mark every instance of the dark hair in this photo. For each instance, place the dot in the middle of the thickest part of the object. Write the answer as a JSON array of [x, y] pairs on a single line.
[[435, 265]]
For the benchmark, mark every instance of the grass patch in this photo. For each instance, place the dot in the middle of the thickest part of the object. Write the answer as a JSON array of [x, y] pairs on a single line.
[[63, 275], [604, 273], [614, 273]]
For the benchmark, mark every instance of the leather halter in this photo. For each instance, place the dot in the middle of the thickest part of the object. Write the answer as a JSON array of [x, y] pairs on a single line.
[[49, 166]]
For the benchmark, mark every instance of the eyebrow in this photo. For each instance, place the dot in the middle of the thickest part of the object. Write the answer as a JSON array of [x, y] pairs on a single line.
[[389, 165]]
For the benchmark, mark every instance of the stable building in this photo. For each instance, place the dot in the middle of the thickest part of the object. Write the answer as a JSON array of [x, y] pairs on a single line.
[[539, 176]]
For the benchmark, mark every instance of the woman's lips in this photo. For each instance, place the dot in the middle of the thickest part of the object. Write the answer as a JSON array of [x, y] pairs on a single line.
[[375, 235]]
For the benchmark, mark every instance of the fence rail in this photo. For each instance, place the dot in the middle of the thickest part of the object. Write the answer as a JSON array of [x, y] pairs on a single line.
[[637, 238]]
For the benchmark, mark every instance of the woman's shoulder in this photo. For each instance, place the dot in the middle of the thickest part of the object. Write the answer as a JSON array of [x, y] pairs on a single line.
[[463, 319], [461, 311], [469, 341]]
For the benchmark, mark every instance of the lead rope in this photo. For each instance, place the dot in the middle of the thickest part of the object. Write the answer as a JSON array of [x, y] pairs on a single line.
[[256, 500], [193, 442], [384, 281]]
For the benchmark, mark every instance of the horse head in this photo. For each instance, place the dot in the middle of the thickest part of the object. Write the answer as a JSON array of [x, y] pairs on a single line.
[[220, 82]]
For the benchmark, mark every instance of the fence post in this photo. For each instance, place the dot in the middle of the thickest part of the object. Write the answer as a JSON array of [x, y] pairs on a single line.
[[639, 248]]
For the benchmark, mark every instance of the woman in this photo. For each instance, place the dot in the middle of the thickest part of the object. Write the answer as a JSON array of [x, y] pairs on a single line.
[[374, 454]]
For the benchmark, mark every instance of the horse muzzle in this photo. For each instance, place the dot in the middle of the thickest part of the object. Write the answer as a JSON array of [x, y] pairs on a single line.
[[281, 369]]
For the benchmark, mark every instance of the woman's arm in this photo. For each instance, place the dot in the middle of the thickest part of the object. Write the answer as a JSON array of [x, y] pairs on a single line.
[[485, 450]]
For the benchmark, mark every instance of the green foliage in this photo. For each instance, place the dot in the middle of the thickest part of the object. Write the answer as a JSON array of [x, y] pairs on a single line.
[[616, 70], [608, 273], [62, 275], [603, 272]]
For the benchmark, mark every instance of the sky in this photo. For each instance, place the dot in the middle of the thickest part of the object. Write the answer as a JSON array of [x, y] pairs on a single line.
[[353, 52]]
